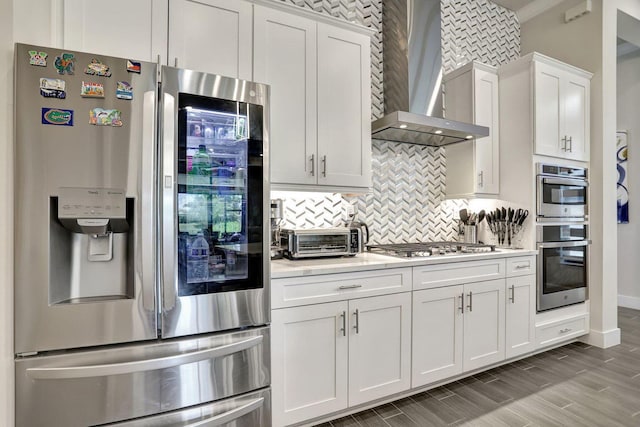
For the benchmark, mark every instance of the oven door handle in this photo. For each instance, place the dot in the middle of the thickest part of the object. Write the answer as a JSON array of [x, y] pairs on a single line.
[[572, 244], [565, 181]]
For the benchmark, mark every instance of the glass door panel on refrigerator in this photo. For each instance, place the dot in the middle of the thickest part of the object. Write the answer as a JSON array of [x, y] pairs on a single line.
[[215, 225]]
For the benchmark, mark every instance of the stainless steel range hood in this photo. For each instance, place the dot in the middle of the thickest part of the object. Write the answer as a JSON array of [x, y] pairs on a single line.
[[412, 78]]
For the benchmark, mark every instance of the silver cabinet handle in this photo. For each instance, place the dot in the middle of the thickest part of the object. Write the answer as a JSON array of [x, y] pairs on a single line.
[[349, 286], [461, 308], [521, 266], [324, 166], [564, 143], [175, 62], [571, 144], [344, 323], [564, 331], [226, 417], [106, 370], [313, 167], [481, 180], [470, 306], [357, 324], [512, 298]]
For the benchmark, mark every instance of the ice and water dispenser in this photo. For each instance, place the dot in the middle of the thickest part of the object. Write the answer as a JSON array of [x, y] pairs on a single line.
[[91, 245]]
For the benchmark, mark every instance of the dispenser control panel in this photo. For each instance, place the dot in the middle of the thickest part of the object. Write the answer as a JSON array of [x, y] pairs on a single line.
[[92, 203]]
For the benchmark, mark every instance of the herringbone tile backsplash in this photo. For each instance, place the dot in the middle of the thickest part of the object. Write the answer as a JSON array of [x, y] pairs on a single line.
[[407, 199]]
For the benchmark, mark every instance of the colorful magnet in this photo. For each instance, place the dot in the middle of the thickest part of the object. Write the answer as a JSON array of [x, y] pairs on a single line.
[[133, 66], [102, 117], [38, 58], [64, 63], [92, 90], [97, 68], [53, 88], [124, 90], [56, 116]]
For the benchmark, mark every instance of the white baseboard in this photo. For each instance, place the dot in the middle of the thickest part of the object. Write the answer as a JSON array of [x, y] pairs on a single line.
[[629, 302], [602, 339]]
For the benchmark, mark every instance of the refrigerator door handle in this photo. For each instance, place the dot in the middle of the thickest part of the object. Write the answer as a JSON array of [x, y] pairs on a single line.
[[148, 205], [229, 416], [168, 261], [90, 371]]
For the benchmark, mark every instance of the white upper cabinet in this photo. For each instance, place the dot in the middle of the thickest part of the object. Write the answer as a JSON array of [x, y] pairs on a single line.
[[320, 78], [285, 58], [471, 95], [547, 102], [128, 29], [212, 36], [561, 112], [344, 107]]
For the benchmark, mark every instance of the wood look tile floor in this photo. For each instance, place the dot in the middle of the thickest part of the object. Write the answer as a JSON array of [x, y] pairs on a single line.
[[574, 385]]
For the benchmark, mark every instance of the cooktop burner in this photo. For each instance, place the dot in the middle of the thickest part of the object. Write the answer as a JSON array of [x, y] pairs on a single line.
[[423, 249]]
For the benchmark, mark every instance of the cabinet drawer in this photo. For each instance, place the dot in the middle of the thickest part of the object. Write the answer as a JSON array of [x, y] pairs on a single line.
[[521, 266], [296, 291], [562, 330], [455, 273]]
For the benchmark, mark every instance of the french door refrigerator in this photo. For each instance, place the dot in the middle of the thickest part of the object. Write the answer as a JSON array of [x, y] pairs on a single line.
[[141, 244]]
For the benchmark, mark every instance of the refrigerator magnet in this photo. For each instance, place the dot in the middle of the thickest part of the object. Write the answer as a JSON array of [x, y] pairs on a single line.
[[133, 66], [97, 68], [103, 117], [53, 88], [57, 117], [92, 90], [64, 63], [38, 58], [124, 90]]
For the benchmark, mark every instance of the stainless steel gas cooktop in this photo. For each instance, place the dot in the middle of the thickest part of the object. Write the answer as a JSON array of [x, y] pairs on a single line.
[[424, 249]]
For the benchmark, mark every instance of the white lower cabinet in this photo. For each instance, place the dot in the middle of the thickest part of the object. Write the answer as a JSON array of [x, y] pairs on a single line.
[[379, 347], [329, 356], [437, 334], [520, 315], [483, 324], [457, 329]]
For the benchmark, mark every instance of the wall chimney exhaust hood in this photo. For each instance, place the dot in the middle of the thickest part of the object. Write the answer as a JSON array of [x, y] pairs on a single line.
[[412, 70]]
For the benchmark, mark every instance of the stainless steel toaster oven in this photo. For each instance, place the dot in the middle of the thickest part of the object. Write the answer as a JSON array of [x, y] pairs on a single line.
[[320, 242]]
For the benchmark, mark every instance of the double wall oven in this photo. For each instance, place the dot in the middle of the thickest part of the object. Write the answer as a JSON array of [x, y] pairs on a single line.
[[562, 235]]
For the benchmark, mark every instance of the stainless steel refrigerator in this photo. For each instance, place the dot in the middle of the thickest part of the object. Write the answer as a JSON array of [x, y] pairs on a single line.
[[141, 244]]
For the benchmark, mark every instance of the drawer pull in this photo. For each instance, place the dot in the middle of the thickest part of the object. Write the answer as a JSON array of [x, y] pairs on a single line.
[[513, 294], [349, 286], [461, 308], [470, 306], [521, 266], [344, 323], [565, 330]]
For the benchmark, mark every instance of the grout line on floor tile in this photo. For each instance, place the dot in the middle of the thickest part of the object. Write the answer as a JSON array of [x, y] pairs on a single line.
[[564, 356], [490, 381], [581, 371], [604, 389], [635, 376], [634, 415], [609, 360], [566, 406]]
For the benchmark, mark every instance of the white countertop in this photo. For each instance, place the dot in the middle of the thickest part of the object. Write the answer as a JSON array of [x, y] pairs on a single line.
[[283, 268]]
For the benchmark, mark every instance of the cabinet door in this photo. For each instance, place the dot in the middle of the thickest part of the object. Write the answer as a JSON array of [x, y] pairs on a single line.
[[520, 320], [127, 29], [437, 334], [487, 149], [344, 107], [483, 324], [284, 57], [379, 347], [547, 110], [212, 36], [576, 117], [309, 361]]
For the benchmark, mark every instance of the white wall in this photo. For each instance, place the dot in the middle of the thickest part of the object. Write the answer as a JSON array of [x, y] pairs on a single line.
[[586, 43], [6, 214], [628, 93]]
